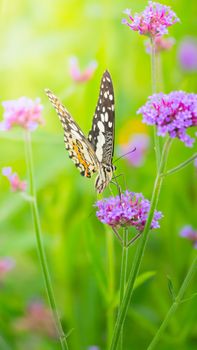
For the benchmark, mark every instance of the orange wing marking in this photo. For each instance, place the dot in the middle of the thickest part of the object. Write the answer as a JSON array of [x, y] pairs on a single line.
[[81, 159]]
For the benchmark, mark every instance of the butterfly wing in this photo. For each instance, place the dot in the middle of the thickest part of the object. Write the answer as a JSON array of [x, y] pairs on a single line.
[[101, 135], [79, 148]]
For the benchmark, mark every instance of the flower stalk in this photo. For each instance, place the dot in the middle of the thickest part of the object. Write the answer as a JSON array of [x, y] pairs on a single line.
[[111, 278], [174, 306], [123, 274], [154, 90], [140, 249], [180, 166], [40, 247]]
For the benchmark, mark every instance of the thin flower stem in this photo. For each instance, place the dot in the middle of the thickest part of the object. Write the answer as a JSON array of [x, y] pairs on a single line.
[[153, 67], [111, 277], [175, 305], [40, 247], [180, 166], [117, 234], [154, 90], [140, 250], [123, 275], [133, 239], [160, 85]]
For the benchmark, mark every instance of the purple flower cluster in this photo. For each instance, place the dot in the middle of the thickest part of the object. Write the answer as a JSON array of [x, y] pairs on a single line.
[[23, 112], [188, 232], [153, 21], [131, 209], [172, 113]]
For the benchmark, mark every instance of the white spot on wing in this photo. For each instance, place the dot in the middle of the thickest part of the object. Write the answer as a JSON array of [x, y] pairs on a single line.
[[111, 97], [106, 117], [101, 126], [99, 150], [110, 124], [102, 117]]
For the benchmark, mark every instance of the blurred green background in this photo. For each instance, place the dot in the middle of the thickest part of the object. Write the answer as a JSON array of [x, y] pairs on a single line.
[[37, 40]]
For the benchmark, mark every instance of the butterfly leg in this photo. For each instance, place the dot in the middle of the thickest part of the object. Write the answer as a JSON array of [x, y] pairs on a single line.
[[124, 179], [118, 187]]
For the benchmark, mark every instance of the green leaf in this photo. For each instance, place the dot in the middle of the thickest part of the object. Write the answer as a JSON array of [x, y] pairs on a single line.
[[139, 281], [143, 278], [171, 288]]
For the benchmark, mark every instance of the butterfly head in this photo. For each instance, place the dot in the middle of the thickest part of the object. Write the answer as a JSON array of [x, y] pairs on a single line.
[[104, 176]]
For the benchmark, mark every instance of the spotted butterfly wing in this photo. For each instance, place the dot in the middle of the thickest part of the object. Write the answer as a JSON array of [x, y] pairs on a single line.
[[79, 148], [101, 135], [92, 154]]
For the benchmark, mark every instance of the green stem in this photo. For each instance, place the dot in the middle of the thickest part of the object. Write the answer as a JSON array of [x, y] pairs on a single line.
[[110, 311], [133, 239], [180, 166], [154, 90], [123, 275], [40, 247], [140, 250], [175, 305]]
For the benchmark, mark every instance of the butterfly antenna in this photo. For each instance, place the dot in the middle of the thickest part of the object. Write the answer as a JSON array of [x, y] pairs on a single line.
[[123, 155]]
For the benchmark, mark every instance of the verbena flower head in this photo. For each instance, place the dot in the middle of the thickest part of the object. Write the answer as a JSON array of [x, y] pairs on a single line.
[[23, 112], [81, 76], [131, 209], [189, 233], [153, 21], [15, 182], [161, 44], [188, 54], [172, 113]]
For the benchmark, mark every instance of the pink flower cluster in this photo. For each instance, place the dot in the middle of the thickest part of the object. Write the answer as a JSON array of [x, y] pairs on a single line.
[[129, 209], [38, 318], [23, 112], [153, 21], [15, 183], [81, 76], [172, 113]]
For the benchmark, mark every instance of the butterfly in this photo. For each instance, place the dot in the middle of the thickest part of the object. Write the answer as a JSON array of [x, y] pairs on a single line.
[[93, 154]]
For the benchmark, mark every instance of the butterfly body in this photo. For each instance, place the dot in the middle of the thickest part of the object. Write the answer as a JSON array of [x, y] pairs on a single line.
[[93, 154]]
